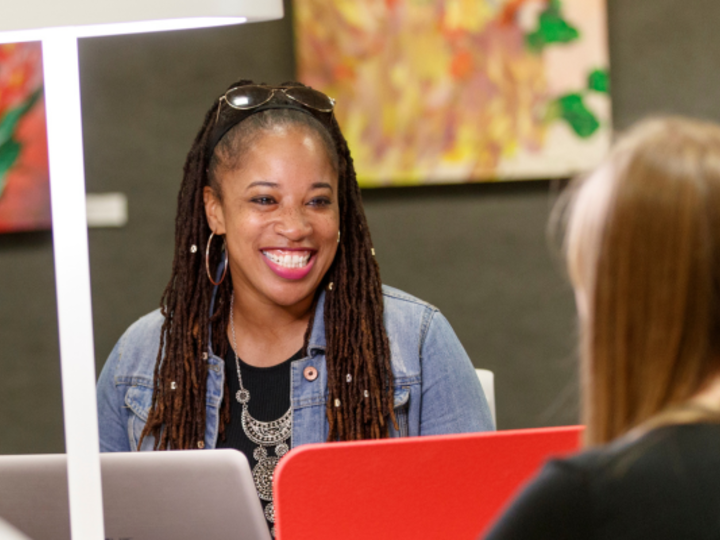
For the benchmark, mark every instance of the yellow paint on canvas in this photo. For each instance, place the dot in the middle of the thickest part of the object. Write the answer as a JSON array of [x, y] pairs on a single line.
[[438, 90]]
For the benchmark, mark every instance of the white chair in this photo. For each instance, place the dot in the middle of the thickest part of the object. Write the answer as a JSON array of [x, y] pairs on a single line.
[[487, 381]]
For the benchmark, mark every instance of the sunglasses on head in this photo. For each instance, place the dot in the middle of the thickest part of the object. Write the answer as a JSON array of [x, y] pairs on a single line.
[[252, 96]]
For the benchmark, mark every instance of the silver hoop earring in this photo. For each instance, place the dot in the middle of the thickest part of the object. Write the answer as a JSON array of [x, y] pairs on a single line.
[[207, 261]]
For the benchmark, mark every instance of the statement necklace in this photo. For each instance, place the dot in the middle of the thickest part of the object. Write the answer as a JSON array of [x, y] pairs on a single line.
[[264, 434]]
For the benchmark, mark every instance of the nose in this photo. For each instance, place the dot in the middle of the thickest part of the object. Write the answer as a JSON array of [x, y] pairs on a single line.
[[293, 224]]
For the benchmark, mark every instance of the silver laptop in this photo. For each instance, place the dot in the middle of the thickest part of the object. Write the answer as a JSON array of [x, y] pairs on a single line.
[[186, 495]]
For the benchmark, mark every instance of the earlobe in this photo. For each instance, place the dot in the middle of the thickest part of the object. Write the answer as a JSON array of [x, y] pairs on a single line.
[[213, 211]]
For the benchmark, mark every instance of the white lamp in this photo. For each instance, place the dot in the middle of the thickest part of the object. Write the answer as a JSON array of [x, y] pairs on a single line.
[[58, 24]]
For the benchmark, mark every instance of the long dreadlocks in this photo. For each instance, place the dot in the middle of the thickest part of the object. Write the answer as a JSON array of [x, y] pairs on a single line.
[[356, 341]]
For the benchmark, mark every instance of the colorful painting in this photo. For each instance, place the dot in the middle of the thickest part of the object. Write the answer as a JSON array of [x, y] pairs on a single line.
[[24, 177], [448, 91]]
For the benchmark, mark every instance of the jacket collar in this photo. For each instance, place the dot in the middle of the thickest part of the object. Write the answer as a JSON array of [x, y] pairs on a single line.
[[317, 335]]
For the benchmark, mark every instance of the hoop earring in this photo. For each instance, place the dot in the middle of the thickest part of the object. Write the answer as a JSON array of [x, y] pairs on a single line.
[[338, 236], [207, 261]]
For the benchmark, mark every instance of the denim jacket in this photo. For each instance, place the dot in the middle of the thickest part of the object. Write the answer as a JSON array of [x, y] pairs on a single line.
[[436, 389]]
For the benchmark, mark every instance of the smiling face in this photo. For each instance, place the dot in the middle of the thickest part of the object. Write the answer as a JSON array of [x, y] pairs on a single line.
[[280, 217]]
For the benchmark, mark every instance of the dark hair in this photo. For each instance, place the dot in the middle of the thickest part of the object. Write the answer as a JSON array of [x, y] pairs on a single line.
[[230, 150], [356, 341]]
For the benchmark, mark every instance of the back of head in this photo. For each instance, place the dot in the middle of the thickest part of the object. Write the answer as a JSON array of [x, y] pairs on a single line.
[[641, 250]]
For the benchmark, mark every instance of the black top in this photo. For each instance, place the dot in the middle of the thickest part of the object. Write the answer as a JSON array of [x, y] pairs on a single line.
[[665, 485], [269, 399]]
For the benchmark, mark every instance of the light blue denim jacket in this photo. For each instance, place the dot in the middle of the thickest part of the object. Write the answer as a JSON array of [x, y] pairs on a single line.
[[436, 388]]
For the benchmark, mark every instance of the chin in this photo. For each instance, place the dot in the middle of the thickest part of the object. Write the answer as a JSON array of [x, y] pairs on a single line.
[[291, 294]]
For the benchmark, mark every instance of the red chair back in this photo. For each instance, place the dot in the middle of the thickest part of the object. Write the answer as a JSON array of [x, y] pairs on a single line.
[[420, 488]]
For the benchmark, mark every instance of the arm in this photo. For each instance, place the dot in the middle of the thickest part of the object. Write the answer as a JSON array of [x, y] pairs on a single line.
[[452, 398], [112, 418], [555, 506]]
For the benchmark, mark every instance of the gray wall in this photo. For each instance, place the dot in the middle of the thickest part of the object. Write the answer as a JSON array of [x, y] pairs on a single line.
[[478, 252]]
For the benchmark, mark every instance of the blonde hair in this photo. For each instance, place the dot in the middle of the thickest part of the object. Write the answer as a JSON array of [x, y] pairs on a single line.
[[642, 247]]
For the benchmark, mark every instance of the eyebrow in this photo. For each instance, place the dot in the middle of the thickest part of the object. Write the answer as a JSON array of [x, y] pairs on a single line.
[[262, 183], [320, 185], [265, 183]]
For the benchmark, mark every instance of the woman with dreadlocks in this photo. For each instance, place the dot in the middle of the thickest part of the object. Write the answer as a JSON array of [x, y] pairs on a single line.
[[274, 330]]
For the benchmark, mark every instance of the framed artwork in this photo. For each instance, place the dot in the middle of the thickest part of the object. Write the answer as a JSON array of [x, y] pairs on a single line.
[[24, 177], [449, 91]]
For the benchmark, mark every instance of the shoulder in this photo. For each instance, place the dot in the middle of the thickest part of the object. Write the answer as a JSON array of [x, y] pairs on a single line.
[[404, 314], [397, 298], [654, 457], [147, 326], [634, 452], [669, 475], [136, 352], [401, 305], [555, 506], [143, 332]]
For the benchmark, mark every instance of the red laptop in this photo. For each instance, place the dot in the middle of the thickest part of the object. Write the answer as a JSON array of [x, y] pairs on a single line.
[[440, 487]]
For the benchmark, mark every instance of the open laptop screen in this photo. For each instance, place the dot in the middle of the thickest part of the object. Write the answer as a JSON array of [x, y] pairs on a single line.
[[184, 495]]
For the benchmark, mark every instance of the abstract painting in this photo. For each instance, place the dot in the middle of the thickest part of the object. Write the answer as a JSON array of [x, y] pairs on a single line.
[[24, 177], [449, 91]]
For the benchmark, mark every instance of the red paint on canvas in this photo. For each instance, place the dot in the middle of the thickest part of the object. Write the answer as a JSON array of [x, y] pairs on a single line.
[[24, 181]]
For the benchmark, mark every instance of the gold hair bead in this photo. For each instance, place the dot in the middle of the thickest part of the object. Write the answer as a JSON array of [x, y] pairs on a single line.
[[348, 378], [372, 250], [193, 249], [330, 286], [366, 394], [205, 356], [201, 445], [337, 402], [173, 385]]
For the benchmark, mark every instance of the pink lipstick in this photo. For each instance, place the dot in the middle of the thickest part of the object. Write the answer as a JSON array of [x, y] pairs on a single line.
[[292, 264]]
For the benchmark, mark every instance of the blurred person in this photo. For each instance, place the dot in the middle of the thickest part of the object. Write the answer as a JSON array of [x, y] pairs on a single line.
[[642, 247]]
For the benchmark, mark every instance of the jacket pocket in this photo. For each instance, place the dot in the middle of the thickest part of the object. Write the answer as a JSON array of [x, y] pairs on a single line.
[[401, 403], [138, 399]]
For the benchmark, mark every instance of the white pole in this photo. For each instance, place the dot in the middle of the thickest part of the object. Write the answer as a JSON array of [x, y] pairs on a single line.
[[72, 282]]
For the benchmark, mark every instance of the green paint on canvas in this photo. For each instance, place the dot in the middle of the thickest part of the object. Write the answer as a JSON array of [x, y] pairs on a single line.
[[9, 147], [571, 108], [599, 81], [552, 28], [9, 152], [9, 122]]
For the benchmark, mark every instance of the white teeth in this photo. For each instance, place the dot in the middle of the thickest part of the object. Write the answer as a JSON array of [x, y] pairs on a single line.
[[288, 260]]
